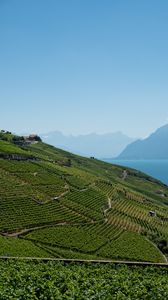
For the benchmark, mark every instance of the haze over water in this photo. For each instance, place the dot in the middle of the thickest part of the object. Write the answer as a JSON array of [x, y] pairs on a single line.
[[155, 168]]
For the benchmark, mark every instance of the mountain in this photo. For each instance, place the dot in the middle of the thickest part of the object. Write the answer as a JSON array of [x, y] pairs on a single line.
[[62, 205], [97, 145], [153, 147]]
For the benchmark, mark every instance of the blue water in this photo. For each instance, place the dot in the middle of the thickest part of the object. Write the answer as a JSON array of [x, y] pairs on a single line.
[[156, 168]]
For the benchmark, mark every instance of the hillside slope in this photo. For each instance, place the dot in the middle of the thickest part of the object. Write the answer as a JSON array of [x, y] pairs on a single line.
[[62, 205], [153, 147]]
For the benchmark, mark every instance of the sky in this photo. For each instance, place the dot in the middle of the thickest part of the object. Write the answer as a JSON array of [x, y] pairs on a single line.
[[82, 66]]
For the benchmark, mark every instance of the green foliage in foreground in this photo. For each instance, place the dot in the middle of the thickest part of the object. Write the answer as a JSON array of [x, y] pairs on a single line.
[[52, 280]]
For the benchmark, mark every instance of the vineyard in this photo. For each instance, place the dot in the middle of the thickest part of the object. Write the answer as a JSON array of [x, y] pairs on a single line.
[[52, 280], [56, 204]]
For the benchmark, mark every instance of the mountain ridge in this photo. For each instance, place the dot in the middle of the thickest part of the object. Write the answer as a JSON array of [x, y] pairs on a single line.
[[93, 144], [153, 147]]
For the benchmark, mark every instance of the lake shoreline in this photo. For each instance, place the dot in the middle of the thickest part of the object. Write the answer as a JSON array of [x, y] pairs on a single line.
[[155, 168]]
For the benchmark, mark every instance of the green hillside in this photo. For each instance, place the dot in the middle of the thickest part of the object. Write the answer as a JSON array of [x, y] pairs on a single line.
[[56, 204]]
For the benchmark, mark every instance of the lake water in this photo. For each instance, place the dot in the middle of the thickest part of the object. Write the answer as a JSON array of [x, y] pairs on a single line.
[[156, 168]]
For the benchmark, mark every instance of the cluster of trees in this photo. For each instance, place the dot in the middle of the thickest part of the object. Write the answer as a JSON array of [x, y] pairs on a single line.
[[66, 163], [18, 140], [161, 242]]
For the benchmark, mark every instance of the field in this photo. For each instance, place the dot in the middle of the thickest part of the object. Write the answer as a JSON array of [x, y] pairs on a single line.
[[52, 280], [56, 204]]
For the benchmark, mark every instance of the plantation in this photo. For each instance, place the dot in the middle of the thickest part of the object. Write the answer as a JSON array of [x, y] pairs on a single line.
[[52, 280], [56, 204]]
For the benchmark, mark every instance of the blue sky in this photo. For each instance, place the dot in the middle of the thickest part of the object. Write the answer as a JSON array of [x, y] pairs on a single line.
[[83, 66]]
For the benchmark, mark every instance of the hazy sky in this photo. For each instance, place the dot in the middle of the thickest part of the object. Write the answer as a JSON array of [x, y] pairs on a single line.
[[83, 66]]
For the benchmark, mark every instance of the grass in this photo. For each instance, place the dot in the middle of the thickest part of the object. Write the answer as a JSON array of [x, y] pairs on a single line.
[[8, 148], [17, 247]]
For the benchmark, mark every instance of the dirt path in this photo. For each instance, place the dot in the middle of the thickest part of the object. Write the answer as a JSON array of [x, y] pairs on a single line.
[[87, 188], [61, 195], [120, 262], [109, 202], [27, 230], [109, 206], [107, 209]]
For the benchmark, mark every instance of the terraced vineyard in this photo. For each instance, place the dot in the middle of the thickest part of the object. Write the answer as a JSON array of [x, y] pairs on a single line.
[[56, 204]]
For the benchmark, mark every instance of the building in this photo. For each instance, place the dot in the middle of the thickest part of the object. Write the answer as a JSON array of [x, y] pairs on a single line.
[[152, 213]]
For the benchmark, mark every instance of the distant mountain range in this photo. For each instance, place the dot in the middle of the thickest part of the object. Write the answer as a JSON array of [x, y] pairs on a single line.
[[153, 147], [97, 145]]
